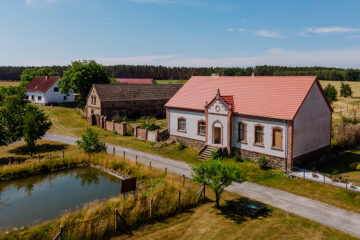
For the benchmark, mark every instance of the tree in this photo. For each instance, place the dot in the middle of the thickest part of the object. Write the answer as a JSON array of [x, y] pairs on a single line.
[[29, 73], [345, 90], [90, 142], [35, 125], [217, 175], [330, 93], [80, 76]]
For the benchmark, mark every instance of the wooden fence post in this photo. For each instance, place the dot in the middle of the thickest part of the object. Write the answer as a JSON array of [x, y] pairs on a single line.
[[136, 159], [150, 164], [179, 199], [114, 151], [183, 179], [124, 154], [165, 171], [150, 212], [115, 219], [346, 183], [204, 191], [63, 154]]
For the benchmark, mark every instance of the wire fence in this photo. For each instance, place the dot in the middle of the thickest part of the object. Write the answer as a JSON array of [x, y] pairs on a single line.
[[339, 180], [121, 221]]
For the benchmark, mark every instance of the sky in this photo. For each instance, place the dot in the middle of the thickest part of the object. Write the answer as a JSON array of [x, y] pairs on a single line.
[[181, 32]]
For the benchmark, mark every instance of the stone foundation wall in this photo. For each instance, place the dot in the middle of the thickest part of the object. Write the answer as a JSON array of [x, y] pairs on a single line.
[[188, 141], [274, 162]]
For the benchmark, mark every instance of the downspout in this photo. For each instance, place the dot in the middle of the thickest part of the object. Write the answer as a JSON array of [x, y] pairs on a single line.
[[286, 144]]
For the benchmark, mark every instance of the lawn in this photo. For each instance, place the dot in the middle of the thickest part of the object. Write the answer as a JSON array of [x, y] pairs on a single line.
[[67, 121], [206, 222], [9, 83]]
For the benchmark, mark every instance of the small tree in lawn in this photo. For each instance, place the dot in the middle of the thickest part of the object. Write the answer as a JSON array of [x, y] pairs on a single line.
[[217, 175], [90, 142]]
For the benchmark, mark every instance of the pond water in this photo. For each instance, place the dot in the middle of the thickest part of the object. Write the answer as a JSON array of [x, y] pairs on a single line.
[[45, 197]]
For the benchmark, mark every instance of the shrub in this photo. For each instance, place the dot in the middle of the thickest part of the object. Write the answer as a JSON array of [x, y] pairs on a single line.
[[262, 162], [214, 155], [354, 165], [330, 93], [237, 157], [345, 90], [181, 146]]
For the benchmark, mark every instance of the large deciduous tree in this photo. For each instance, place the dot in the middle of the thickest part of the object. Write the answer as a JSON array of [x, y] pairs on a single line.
[[80, 76], [345, 90], [28, 74], [217, 175]]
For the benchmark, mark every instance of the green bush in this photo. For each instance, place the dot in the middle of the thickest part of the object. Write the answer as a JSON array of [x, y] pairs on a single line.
[[181, 146], [237, 157], [262, 162], [214, 155], [354, 165]]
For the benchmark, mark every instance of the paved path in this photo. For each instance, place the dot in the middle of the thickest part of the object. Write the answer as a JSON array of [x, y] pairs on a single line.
[[346, 221]]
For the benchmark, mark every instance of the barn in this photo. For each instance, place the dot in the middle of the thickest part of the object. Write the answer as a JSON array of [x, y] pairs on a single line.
[[286, 119]]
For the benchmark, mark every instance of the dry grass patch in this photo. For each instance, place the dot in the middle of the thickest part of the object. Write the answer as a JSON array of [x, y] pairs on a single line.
[[206, 222], [9, 83]]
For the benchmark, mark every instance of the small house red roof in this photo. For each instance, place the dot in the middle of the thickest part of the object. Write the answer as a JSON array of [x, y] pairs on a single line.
[[277, 97], [135, 80], [41, 83]]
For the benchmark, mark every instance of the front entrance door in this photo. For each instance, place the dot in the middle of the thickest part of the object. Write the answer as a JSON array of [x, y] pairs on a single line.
[[217, 135]]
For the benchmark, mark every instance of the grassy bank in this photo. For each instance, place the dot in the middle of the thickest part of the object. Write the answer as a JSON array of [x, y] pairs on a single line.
[[206, 222], [96, 219]]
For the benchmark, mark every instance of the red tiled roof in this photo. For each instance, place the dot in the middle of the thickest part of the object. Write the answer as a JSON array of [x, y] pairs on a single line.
[[41, 83], [134, 80], [229, 100], [277, 97]]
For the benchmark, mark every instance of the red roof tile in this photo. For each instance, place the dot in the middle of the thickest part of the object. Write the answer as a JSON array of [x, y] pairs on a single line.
[[229, 100], [41, 83], [135, 80], [277, 97]]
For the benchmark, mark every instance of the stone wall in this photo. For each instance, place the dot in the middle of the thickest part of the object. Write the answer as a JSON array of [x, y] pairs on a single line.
[[112, 126], [274, 162], [146, 135], [189, 141]]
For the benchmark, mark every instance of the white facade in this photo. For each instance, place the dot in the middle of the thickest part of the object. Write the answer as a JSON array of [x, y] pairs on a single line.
[[52, 95], [250, 127], [191, 118], [312, 124]]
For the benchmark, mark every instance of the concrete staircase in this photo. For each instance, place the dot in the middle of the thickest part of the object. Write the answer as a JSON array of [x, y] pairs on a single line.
[[204, 153]]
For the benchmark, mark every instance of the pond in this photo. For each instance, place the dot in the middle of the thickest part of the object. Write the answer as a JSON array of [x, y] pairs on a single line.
[[44, 197]]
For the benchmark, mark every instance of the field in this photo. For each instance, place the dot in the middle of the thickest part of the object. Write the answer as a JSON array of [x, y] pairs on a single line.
[[355, 86], [9, 83]]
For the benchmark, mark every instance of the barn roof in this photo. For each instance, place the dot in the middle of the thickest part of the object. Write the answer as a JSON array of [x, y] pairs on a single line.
[[135, 80], [41, 83], [135, 92], [277, 97]]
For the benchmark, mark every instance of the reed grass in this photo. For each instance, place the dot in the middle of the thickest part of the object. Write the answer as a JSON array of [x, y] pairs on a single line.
[[95, 220]]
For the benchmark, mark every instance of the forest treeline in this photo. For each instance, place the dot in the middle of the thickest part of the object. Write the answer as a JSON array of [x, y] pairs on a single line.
[[181, 73]]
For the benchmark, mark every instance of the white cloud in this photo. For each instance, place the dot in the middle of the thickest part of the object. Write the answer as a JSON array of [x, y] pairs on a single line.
[[230, 29], [266, 33], [327, 30], [233, 29], [241, 29], [32, 2], [274, 56]]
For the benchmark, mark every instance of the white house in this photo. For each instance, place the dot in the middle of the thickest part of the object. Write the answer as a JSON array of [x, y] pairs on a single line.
[[285, 119], [44, 90]]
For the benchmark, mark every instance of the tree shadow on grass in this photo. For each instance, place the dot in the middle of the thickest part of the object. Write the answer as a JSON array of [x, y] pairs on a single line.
[[42, 148], [235, 210], [340, 164], [11, 159]]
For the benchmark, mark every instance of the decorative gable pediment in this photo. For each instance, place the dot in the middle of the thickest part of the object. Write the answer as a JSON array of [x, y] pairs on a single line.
[[218, 105]]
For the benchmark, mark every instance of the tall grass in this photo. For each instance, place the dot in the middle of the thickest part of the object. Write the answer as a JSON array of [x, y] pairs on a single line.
[[96, 219]]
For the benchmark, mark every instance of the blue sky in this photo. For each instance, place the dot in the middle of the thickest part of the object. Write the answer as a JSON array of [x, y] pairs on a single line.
[[181, 32]]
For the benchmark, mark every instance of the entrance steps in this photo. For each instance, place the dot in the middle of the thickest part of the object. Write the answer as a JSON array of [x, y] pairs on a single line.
[[205, 152]]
